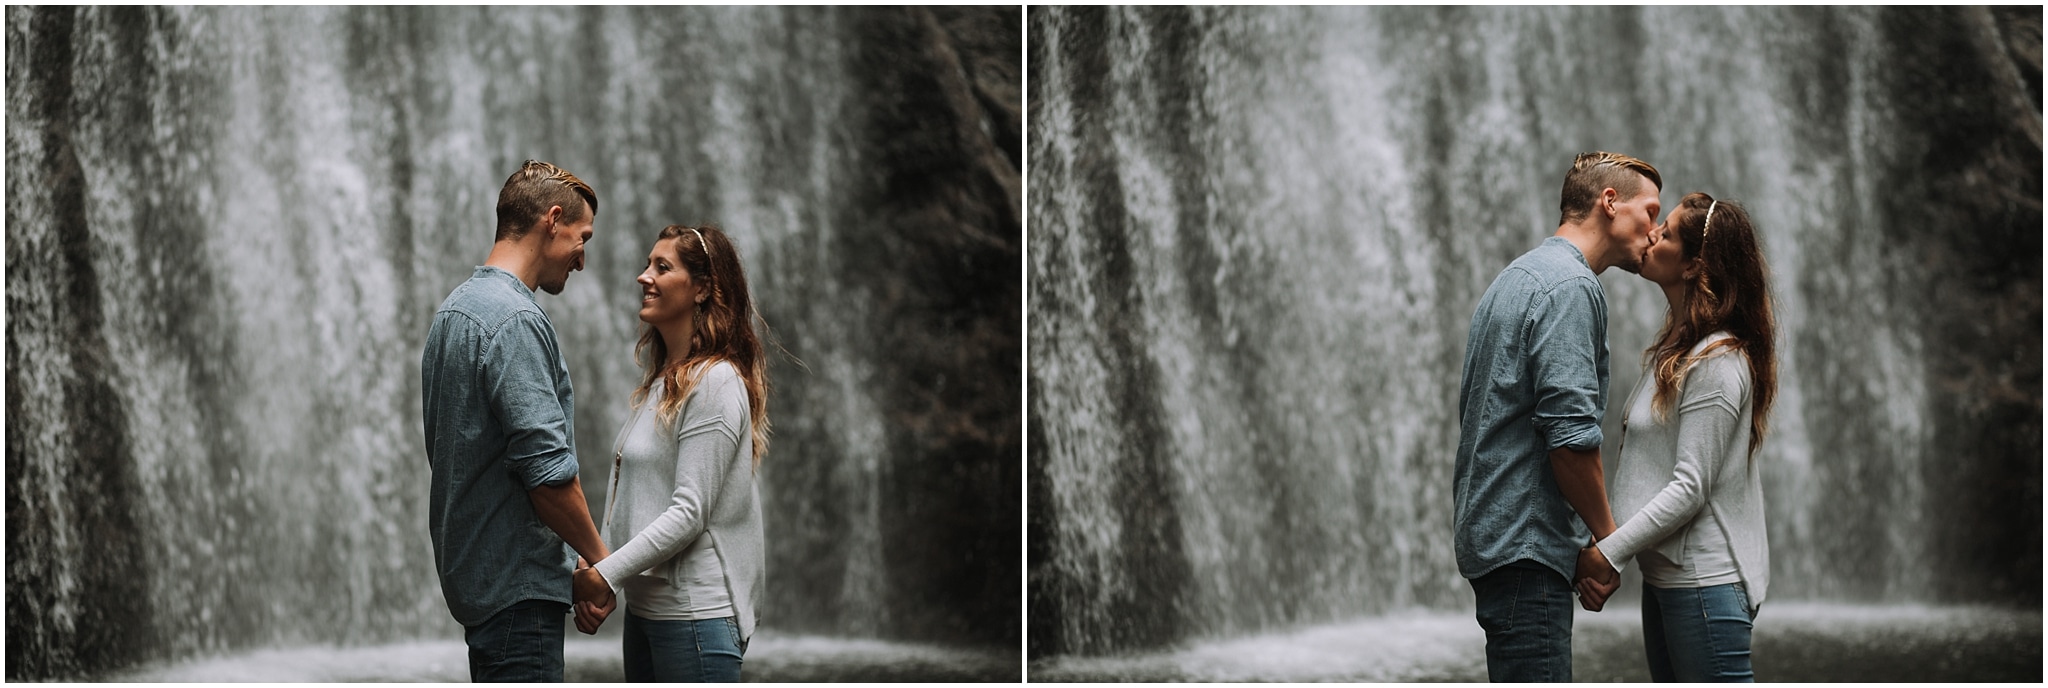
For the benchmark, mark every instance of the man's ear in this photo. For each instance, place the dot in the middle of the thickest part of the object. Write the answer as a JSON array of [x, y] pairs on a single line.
[[554, 217]]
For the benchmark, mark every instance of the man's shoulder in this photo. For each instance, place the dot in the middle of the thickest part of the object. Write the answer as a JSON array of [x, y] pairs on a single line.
[[1541, 273], [1552, 263], [488, 303]]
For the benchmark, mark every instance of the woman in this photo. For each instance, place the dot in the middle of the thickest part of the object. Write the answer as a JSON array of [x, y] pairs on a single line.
[[683, 469], [1688, 478]]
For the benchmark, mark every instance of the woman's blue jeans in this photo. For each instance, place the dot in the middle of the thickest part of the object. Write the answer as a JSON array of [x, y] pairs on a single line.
[[1697, 635], [707, 651]]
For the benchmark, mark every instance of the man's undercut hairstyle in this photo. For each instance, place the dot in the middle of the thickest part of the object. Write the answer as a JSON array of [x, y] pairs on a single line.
[[1593, 172], [536, 187]]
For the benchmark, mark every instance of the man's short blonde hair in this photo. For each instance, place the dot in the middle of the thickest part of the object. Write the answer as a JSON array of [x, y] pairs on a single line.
[[536, 187], [1597, 171]]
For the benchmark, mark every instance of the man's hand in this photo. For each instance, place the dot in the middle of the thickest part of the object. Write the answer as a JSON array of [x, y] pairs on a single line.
[[1597, 578], [589, 616], [593, 596]]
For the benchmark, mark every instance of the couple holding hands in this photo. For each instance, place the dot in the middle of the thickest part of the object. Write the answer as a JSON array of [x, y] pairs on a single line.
[[681, 540], [1535, 519]]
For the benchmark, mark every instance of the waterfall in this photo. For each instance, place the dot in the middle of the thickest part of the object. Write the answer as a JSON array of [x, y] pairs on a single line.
[[228, 229], [1258, 236]]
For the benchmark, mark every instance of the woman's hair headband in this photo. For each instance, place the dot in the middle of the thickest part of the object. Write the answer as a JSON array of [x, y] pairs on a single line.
[[707, 245]]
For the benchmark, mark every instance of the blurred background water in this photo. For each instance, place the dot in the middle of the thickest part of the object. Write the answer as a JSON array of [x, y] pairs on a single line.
[[227, 230], [1258, 236]]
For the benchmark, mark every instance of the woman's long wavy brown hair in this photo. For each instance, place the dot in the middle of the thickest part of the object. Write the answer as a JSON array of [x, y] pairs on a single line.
[[1730, 290], [723, 331]]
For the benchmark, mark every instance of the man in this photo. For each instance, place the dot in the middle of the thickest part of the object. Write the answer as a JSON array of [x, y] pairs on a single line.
[[498, 408], [1529, 486]]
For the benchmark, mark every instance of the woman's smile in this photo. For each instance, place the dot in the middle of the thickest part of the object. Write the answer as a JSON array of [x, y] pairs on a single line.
[[665, 275]]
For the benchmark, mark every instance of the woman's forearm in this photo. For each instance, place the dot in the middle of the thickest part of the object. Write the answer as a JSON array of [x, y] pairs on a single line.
[[1673, 507], [702, 454], [1705, 426]]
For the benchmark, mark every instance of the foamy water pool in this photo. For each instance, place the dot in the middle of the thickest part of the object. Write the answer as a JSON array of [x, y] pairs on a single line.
[[770, 658], [1793, 642]]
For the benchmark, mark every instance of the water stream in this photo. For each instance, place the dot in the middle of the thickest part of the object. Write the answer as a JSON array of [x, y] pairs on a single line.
[[1258, 236], [228, 229]]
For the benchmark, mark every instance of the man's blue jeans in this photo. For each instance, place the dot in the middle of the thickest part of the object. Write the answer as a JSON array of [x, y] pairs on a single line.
[[707, 651], [1697, 635], [520, 644], [1526, 609]]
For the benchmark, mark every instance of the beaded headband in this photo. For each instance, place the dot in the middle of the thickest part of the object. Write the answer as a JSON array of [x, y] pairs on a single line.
[[1710, 221], [707, 257], [707, 247]]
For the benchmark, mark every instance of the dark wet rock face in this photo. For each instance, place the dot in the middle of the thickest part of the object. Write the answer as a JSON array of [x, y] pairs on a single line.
[[228, 229]]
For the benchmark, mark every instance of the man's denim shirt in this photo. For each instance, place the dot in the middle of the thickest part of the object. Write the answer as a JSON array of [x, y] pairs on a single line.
[[496, 400], [1535, 380]]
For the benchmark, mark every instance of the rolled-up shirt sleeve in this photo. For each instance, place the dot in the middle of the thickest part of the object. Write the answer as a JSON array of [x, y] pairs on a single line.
[[519, 375], [1564, 349]]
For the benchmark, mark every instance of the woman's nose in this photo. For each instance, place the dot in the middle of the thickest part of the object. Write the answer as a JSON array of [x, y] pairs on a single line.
[[644, 278]]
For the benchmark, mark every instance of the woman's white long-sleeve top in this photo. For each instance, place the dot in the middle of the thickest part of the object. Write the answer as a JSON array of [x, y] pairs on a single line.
[[687, 499], [1686, 486]]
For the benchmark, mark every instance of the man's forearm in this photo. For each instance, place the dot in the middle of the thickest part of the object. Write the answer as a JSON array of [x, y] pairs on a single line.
[[561, 508], [1579, 477]]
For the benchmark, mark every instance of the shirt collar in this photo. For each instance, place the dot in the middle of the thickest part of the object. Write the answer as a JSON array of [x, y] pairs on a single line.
[[1568, 246], [494, 272]]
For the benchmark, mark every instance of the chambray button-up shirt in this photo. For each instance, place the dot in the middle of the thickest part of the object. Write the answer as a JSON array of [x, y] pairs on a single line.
[[496, 399], [1535, 380]]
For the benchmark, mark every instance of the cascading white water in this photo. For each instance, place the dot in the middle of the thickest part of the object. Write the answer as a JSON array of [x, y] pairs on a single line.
[[1258, 236], [228, 229]]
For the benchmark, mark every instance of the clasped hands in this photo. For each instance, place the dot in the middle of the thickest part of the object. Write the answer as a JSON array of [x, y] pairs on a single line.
[[593, 596], [1597, 578]]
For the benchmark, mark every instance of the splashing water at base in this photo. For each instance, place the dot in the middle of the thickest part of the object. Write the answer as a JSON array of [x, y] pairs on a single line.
[[771, 658], [1793, 642]]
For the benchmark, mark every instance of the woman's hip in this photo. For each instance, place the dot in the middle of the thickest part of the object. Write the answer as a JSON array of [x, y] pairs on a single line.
[[683, 651]]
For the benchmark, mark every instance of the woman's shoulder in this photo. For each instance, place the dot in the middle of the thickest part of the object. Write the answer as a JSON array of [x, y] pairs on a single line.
[[1708, 341], [719, 373], [1724, 366], [720, 383]]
